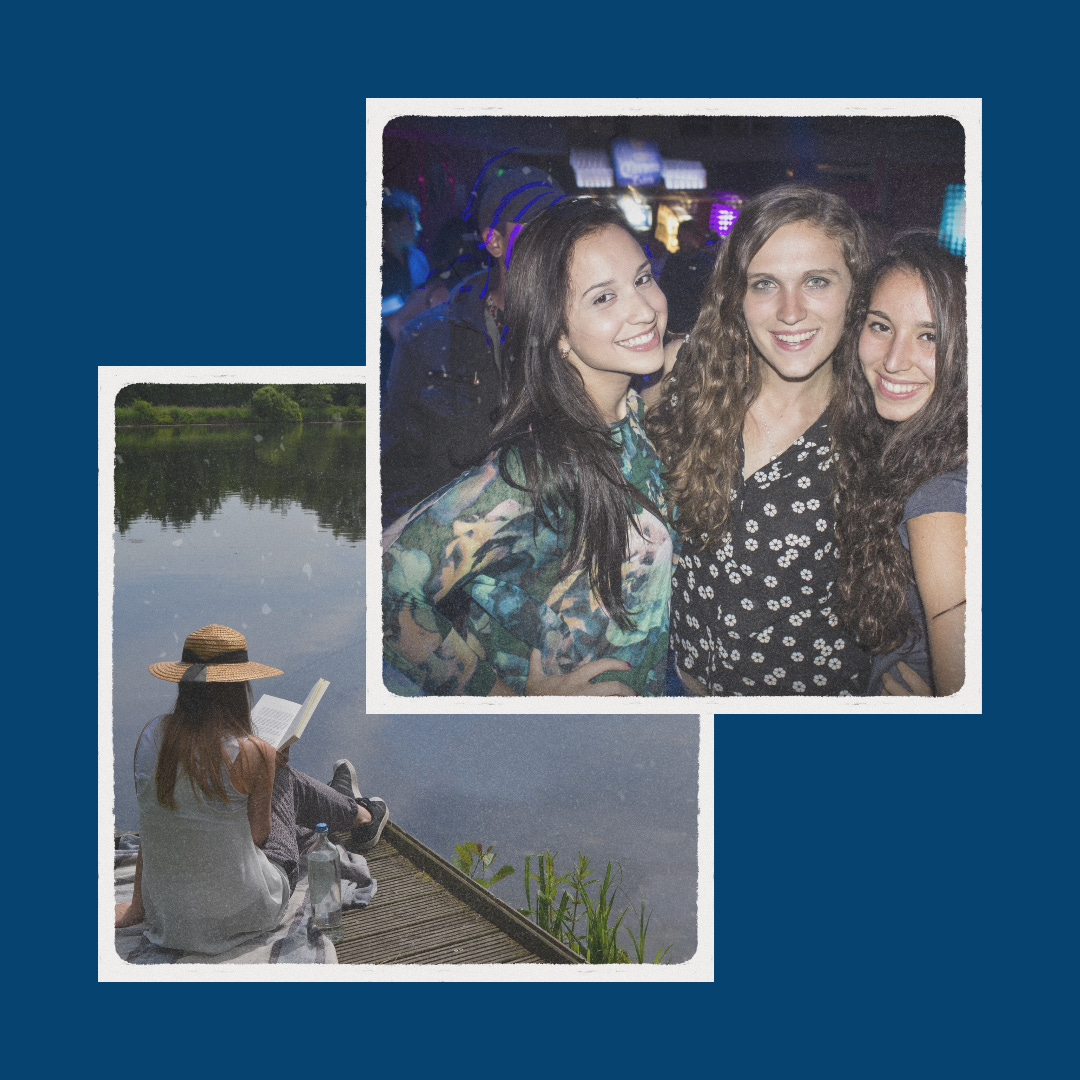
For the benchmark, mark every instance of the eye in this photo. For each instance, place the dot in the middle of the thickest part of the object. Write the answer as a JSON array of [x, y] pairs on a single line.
[[763, 285], [645, 279], [928, 335], [818, 282], [878, 327], [603, 298]]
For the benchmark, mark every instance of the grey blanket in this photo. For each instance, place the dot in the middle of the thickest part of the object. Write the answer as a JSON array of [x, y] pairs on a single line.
[[294, 941]]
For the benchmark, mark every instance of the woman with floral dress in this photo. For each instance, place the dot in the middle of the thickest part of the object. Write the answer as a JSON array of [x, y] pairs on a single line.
[[743, 427], [902, 472], [546, 569]]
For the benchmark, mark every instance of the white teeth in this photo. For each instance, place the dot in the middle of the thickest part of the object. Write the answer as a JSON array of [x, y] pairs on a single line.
[[899, 388], [794, 339], [633, 342]]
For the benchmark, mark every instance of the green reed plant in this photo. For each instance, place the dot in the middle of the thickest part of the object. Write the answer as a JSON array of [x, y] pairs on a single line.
[[475, 861], [559, 914], [639, 941], [601, 944], [552, 913]]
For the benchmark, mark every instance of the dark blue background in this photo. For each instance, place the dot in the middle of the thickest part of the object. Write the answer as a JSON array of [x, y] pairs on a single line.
[[890, 892]]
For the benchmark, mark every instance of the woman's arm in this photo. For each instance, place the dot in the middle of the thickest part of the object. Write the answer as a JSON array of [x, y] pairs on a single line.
[[479, 530], [133, 913], [476, 527], [256, 763], [938, 554], [419, 300]]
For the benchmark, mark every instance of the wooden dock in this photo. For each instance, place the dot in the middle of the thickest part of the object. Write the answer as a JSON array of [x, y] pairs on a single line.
[[426, 911]]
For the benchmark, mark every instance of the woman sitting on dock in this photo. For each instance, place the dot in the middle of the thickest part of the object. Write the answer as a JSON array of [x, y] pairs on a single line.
[[221, 812], [546, 569]]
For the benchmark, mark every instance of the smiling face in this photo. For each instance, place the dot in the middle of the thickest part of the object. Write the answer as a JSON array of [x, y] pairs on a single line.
[[797, 290], [898, 345], [616, 316]]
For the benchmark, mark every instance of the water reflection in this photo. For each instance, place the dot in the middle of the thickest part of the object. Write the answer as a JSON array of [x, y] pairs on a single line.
[[175, 475]]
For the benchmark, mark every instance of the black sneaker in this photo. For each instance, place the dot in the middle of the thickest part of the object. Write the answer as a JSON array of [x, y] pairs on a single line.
[[344, 779], [365, 837]]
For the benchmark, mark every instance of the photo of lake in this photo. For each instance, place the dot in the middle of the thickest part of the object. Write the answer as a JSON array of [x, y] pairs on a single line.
[[261, 528]]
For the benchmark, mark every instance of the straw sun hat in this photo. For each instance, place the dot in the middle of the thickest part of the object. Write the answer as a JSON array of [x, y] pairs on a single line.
[[214, 654]]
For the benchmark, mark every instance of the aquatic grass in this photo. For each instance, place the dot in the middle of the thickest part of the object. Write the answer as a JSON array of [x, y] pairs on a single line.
[[639, 941], [559, 914], [601, 944], [473, 860], [552, 913]]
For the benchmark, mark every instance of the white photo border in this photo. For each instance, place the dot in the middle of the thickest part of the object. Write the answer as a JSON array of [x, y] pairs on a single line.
[[968, 111]]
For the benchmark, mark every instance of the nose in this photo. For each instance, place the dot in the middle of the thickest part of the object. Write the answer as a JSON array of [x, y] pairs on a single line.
[[648, 304], [792, 307], [899, 357]]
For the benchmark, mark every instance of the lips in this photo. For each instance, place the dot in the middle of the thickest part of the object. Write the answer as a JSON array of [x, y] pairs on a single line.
[[898, 391], [793, 342], [641, 342]]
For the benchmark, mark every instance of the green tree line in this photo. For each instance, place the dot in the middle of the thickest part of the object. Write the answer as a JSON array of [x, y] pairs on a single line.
[[212, 395]]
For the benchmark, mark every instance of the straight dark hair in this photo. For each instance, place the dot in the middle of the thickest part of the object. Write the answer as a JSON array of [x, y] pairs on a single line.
[[550, 437], [882, 462], [192, 734]]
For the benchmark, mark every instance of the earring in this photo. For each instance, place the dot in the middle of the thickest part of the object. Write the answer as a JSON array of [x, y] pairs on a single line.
[[748, 358], [564, 355]]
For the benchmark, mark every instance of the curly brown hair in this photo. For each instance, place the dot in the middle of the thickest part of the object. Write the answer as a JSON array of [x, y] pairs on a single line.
[[697, 429], [882, 462]]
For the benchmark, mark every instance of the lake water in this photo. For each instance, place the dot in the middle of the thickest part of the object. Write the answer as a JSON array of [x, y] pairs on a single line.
[[262, 530]]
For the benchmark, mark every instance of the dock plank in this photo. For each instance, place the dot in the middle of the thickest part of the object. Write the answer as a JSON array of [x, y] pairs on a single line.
[[427, 912]]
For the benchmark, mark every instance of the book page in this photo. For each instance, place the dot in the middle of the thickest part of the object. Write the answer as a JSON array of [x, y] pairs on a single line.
[[272, 718]]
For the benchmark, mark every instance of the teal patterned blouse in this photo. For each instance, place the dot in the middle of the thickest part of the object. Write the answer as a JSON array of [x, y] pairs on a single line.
[[471, 585]]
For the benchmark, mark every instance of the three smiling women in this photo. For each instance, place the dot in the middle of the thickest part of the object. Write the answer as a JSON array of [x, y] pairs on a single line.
[[547, 567]]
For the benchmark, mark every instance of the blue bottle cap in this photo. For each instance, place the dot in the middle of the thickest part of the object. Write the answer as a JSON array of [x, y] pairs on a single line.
[[321, 828]]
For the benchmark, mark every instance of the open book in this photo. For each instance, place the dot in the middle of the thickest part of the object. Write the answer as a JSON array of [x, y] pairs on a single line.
[[282, 722]]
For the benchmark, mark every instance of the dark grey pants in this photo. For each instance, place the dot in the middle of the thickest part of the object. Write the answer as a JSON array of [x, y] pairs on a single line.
[[297, 805]]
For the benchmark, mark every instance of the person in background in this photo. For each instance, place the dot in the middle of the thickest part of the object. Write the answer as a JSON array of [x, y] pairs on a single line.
[[686, 273], [222, 814], [548, 565], [455, 256], [901, 433], [743, 427], [404, 270], [444, 382]]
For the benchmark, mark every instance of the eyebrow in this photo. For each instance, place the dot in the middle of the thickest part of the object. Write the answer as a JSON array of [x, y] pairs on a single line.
[[889, 318], [806, 273], [605, 284]]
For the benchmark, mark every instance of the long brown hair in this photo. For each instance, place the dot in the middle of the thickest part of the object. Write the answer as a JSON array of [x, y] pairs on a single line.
[[549, 425], [697, 428], [882, 462], [192, 735]]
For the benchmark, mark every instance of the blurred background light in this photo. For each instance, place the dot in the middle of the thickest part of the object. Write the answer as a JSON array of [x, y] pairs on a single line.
[[952, 234]]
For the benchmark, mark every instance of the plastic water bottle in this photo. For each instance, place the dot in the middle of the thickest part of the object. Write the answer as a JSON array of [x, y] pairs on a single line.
[[324, 883]]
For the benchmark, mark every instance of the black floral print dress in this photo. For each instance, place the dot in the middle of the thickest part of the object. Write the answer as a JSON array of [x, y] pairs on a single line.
[[755, 615]]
